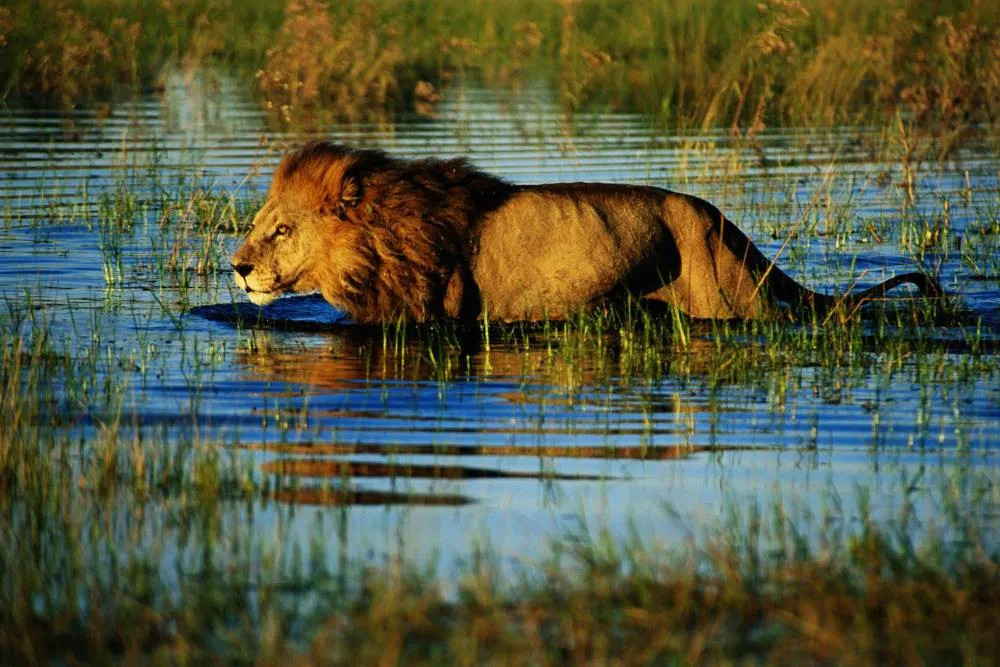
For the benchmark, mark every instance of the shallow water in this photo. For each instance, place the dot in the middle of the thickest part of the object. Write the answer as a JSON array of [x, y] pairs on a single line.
[[435, 448]]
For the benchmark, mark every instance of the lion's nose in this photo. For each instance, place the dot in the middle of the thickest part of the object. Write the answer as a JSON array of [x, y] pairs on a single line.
[[243, 269]]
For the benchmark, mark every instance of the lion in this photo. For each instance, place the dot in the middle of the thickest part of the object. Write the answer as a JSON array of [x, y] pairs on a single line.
[[386, 240]]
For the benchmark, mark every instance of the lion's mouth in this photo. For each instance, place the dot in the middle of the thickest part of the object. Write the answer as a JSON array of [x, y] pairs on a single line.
[[260, 298], [263, 297]]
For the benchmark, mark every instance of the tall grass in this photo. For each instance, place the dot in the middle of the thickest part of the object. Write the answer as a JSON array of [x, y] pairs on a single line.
[[740, 64], [125, 543], [121, 547], [128, 551]]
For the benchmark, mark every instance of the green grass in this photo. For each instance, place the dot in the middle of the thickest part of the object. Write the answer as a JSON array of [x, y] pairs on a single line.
[[119, 544], [121, 548], [117, 549], [694, 64]]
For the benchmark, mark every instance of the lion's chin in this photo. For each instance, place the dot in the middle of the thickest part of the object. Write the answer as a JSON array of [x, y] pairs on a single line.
[[261, 298]]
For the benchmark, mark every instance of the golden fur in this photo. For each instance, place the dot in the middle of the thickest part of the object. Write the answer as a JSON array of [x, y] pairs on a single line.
[[386, 239]]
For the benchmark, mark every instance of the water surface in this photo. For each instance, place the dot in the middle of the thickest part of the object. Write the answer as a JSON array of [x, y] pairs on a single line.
[[423, 448]]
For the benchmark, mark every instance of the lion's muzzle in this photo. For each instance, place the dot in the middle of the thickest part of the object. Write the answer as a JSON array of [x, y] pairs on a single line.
[[261, 297], [243, 269]]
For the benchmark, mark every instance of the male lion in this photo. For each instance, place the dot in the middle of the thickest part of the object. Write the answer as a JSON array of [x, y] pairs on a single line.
[[384, 239]]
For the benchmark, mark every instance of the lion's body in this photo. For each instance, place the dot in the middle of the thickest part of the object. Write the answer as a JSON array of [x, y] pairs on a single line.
[[385, 239], [589, 242]]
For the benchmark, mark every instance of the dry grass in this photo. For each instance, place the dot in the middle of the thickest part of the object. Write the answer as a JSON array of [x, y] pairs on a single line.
[[75, 58], [695, 64], [340, 67], [606, 608]]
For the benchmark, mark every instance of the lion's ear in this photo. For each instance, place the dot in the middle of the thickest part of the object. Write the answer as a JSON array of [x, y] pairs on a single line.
[[347, 196], [350, 194]]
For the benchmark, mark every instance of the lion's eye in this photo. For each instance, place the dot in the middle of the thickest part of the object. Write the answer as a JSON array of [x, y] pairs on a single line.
[[281, 230]]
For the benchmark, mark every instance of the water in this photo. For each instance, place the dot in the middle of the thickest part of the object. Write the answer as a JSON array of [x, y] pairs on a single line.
[[435, 449]]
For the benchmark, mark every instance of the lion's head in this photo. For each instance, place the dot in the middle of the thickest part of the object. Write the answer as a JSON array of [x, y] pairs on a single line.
[[379, 238], [301, 239]]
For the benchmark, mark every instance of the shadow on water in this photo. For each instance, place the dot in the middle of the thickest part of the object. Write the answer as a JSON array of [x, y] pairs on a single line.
[[535, 390], [649, 452], [320, 464], [291, 313], [337, 469], [337, 497], [556, 395], [309, 313]]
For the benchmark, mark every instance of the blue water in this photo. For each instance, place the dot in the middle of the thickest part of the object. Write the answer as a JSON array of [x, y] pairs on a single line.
[[498, 445]]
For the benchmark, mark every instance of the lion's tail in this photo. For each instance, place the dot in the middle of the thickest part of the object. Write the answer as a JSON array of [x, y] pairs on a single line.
[[929, 287], [804, 299]]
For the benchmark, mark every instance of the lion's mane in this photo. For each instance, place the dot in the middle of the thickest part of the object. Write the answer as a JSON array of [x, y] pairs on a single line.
[[414, 224]]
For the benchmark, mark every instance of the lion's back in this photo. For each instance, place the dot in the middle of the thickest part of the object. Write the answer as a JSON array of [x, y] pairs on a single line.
[[551, 250]]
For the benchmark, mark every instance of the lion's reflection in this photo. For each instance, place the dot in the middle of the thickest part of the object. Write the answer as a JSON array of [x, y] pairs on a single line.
[[338, 359], [544, 376]]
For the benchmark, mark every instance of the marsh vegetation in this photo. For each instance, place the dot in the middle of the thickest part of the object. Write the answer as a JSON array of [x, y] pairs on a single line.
[[743, 65], [185, 477]]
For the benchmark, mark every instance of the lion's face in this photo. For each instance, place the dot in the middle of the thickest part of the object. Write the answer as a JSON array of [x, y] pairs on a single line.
[[294, 248], [380, 238], [278, 255], [309, 235]]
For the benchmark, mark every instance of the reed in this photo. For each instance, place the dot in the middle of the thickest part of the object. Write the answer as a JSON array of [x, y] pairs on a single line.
[[125, 541], [118, 547], [742, 64]]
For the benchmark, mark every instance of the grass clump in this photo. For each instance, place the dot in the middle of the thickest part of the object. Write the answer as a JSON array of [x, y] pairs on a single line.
[[744, 64], [349, 65], [63, 54], [120, 546], [636, 606]]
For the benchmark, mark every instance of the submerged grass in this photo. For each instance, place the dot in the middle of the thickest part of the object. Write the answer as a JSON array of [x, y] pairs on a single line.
[[119, 546], [122, 541], [122, 549], [742, 64]]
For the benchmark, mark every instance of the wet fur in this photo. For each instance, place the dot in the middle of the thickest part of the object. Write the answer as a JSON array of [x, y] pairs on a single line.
[[386, 239]]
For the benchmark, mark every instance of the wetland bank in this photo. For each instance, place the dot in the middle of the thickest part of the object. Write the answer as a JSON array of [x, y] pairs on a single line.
[[182, 478]]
